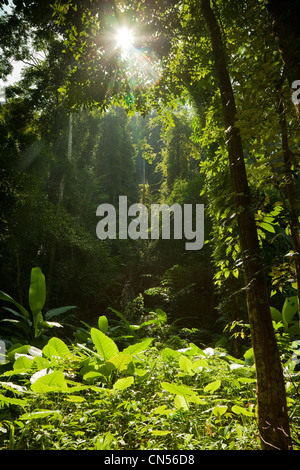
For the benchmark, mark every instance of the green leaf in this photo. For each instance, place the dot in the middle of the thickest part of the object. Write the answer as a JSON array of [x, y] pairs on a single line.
[[41, 362], [212, 386], [276, 315], [181, 402], [122, 384], [177, 389], [39, 414], [37, 291], [294, 330], [186, 365], [49, 324], [289, 309], [104, 442], [137, 348], [93, 375], [105, 346], [19, 315], [160, 433], [240, 410], [267, 227], [56, 348], [169, 354], [249, 357], [121, 361], [162, 410], [23, 363], [103, 324], [162, 316], [199, 364], [75, 399], [219, 410], [120, 316], [8, 298], [58, 311], [12, 401], [52, 382]]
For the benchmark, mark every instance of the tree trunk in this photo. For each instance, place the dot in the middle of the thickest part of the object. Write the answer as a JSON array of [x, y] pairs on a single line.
[[285, 16], [52, 254], [273, 422]]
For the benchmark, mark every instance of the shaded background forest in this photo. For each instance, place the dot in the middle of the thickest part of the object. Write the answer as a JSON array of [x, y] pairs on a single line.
[[58, 167], [49, 218]]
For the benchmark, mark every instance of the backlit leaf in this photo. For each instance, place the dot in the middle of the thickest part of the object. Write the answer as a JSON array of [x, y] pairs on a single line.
[[122, 384], [37, 291], [105, 346], [177, 389], [56, 348], [212, 386]]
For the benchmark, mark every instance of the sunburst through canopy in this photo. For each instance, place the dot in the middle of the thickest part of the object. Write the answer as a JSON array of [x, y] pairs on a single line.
[[125, 38]]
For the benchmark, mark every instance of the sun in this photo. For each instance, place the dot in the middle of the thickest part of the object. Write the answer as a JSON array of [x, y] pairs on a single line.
[[125, 38]]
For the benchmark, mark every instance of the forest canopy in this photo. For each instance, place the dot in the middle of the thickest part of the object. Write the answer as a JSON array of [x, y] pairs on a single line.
[[187, 105]]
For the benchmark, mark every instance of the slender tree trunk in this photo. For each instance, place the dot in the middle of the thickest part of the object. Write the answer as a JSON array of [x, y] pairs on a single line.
[[52, 255], [273, 422], [285, 17]]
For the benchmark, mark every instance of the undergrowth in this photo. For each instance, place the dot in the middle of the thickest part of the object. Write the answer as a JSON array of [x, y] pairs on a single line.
[[131, 392]]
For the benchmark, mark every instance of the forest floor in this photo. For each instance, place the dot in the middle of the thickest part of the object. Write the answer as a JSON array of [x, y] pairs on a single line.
[[132, 394]]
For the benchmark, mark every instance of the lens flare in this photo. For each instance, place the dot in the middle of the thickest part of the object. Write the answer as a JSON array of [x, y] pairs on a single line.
[[124, 39]]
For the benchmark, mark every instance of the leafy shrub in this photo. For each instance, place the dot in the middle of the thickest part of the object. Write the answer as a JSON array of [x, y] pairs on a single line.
[[31, 325]]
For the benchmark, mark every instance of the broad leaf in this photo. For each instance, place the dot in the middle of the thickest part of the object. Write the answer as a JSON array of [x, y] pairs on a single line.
[[276, 315], [58, 311], [186, 365], [103, 324], [289, 310], [53, 382], [137, 348], [120, 316], [169, 354], [212, 386], [8, 298], [240, 410], [267, 226], [56, 347], [177, 389], [23, 363], [162, 316], [104, 442], [12, 401], [122, 384], [181, 402], [121, 361], [105, 346], [17, 314], [37, 291], [219, 410], [249, 357]]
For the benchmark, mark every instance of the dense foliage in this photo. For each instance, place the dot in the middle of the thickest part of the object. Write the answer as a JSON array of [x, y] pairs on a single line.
[[129, 387]]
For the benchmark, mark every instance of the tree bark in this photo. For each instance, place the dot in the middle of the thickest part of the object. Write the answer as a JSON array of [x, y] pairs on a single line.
[[285, 16], [273, 422]]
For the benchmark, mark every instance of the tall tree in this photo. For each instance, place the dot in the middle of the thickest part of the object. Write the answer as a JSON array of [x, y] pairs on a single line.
[[115, 157], [273, 418]]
